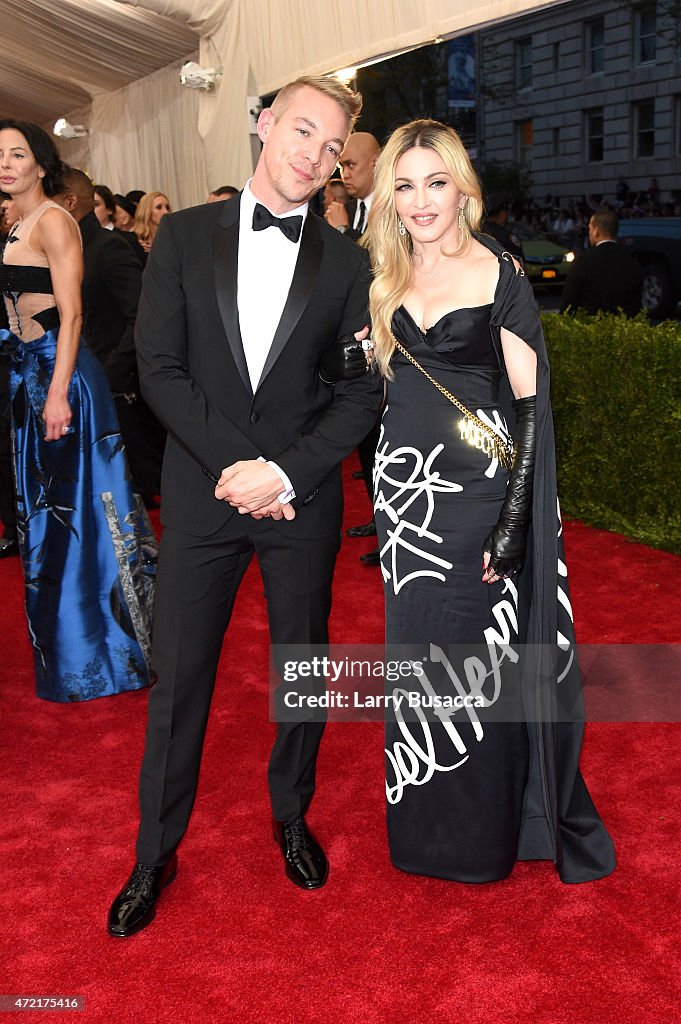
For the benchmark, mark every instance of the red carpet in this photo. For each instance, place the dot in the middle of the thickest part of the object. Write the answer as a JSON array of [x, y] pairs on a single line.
[[235, 942]]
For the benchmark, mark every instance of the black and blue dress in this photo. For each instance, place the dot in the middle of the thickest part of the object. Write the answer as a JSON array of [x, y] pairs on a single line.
[[88, 549]]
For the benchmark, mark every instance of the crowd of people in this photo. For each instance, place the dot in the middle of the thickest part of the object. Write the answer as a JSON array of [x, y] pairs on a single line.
[[567, 221], [248, 339]]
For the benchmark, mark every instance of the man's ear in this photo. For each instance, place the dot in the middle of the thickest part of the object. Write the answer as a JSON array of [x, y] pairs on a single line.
[[265, 119], [70, 201]]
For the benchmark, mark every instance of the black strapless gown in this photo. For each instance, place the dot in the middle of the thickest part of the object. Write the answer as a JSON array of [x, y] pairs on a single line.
[[455, 787]]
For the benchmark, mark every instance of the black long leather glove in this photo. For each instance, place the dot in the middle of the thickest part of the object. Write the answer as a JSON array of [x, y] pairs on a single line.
[[343, 361], [508, 540]]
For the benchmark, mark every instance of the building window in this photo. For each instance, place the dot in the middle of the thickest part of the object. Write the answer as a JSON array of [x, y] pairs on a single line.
[[646, 34], [594, 135], [555, 141], [524, 137], [523, 60], [644, 128], [595, 46]]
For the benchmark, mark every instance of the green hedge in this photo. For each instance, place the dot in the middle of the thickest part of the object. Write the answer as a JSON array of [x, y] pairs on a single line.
[[616, 394]]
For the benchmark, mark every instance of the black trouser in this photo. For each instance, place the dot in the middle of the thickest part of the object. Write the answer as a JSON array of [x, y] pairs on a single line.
[[366, 450], [198, 578], [145, 441]]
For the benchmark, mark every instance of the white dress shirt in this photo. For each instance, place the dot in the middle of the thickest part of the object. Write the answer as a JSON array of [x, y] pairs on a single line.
[[267, 261]]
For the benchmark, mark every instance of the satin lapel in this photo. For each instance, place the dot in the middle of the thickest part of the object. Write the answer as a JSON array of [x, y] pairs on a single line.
[[225, 262], [302, 286]]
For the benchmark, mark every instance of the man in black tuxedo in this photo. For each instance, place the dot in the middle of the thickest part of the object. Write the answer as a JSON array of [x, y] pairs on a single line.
[[237, 309], [606, 277], [358, 167], [112, 282]]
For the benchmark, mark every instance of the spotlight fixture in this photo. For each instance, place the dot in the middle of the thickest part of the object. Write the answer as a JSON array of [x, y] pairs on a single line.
[[345, 75], [195, 77], [64, 130]]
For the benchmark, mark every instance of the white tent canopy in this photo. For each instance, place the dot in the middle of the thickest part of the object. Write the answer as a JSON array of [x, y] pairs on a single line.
[[112, 65], [58, 54]]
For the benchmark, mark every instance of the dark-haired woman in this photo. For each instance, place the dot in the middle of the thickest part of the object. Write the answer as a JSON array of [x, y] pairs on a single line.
[[106, 212], [88, 552], [105, 207]]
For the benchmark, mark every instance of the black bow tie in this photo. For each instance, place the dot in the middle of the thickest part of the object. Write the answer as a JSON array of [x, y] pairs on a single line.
[[290, 226]]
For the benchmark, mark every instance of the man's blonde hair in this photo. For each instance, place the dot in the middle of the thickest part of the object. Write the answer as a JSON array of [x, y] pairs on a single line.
[[349, 101]]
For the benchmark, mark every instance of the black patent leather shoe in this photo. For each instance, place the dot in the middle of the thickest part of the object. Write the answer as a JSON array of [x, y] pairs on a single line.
[[366, 530], [371, 557], [306, 863], [135, 905], [8, 547]]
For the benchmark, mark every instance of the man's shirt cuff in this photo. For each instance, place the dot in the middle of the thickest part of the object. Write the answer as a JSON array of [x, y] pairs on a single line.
[[288, 493]]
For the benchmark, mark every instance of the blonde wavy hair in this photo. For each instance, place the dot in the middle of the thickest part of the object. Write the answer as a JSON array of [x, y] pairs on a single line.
[[389, 250], [144, 229]]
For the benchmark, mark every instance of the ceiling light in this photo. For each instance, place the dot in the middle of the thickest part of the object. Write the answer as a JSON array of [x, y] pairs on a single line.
[[195, 77], [345, 75], [64, 130]]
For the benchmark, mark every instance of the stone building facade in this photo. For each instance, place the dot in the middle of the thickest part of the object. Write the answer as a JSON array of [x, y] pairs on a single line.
[[583, 93]]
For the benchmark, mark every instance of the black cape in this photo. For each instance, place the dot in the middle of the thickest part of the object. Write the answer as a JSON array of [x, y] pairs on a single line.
[[560, 822]]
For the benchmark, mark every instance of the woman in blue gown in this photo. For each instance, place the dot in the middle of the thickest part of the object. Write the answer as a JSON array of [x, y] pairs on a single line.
[[88, 550]]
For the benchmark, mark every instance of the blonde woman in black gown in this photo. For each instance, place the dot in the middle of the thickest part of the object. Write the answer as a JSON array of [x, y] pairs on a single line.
[[471, 553]]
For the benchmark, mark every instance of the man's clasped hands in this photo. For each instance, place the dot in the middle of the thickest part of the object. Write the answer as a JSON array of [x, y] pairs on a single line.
[[252, 487]]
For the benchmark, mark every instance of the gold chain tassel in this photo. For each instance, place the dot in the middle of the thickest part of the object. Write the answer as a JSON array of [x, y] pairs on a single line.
[[473, 430]]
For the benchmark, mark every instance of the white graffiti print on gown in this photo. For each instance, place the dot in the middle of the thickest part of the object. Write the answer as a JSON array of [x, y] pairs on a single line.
[[415, 495], [411, 758], [498, 424], [565, 629]]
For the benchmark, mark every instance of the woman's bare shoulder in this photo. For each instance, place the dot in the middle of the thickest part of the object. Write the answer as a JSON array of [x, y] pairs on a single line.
[[55, 224]]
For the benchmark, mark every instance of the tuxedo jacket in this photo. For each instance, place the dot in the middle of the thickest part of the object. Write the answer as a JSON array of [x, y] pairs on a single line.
[[352, 233], [606, 277], [194, 376], [131, 239], [112, 281]]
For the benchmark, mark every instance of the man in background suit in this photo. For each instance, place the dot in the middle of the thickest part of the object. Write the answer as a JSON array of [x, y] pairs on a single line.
[[112, 282], [237, 309], [606, 277], [358, 166]]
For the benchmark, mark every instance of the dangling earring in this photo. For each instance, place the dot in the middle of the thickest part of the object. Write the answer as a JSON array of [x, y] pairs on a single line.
[[460, 218], [400, 227]]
